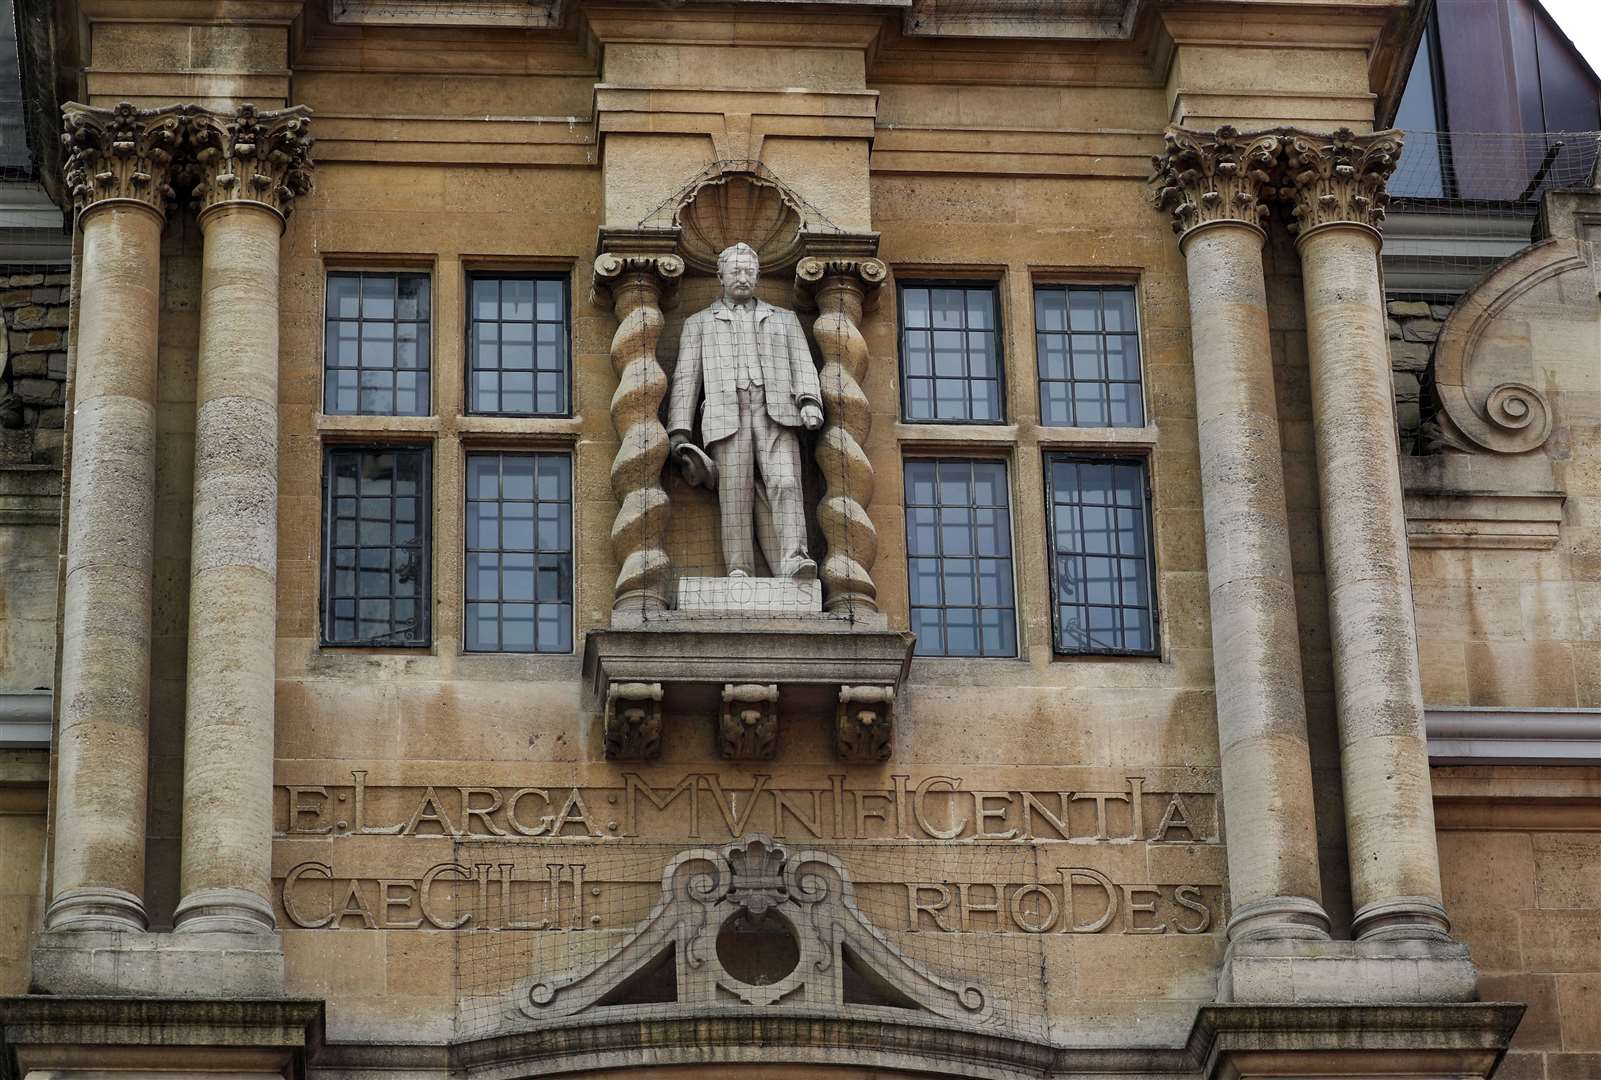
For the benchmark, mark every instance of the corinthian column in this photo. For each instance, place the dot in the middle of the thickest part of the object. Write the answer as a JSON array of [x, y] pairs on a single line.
[[117, 172], [252, 166], [1211, 183], [840, 287], [1337, 184], [636, 277]]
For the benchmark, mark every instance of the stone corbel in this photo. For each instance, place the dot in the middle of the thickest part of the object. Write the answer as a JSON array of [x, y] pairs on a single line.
[[840, 275], [747, 730], [864, 728], [633, 721], [1338, 178], [122, 154], [1209, 176], [249, 156], [633, 274]]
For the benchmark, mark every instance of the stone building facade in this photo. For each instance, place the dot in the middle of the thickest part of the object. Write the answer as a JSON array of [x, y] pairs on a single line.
[[1132, 719]]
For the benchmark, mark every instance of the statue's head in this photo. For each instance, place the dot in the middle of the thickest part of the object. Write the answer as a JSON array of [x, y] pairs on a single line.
[[738, 268]]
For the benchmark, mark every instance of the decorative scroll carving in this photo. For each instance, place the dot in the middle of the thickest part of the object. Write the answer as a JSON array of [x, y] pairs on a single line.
[[1222, 175], [864, 725], [1484, 387], [633, 720], [636, 283], [122, 152], [840, 287], [1338, 177], [806, 894], [252, 156], [747, 730]]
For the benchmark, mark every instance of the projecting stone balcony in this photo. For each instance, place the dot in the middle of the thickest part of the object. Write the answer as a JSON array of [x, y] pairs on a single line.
[[750, 674]]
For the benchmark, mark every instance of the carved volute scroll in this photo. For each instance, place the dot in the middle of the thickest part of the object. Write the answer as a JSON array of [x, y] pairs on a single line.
[[1338, 177], [636, 280], [122, 153], [840, 285], [633, 721], [253, 156], [1207, 176]]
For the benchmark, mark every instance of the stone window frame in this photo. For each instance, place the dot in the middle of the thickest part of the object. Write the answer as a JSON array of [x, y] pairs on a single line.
[[476, 272], [566, 454], [1095, 456], [429, 356], [978, 453], [995, 286], [425, 538]]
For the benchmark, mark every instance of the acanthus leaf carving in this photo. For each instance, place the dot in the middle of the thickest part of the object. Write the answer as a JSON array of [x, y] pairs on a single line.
[[252, 156], [747, 729], [864, 724], [1222, 175], [123, 152], [1338, 177], [633, 721]]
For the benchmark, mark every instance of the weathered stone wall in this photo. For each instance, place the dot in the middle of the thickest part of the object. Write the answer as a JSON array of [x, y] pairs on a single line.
[[1414, 325], [32, 395]]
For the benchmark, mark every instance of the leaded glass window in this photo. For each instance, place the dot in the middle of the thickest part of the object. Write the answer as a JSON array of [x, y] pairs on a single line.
[[518, 347], [519, 572], [1101, 565], [376, 348], [376, 582], [950, 354], [959, 557], [1087, 347]]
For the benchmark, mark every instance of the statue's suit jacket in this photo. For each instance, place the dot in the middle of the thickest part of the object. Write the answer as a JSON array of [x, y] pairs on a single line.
[[708, 356]]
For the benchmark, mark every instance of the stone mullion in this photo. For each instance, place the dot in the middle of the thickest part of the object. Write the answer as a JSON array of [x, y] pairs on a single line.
[[636, 284], [252, 167], [1336, 184], [840, 287], [1211, 183], [118, 174]]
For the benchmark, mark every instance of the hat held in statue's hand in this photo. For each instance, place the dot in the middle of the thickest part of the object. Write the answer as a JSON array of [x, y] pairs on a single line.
[[698, 469]]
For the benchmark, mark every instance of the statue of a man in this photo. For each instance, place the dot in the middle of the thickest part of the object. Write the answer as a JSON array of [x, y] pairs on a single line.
[[750, 362]]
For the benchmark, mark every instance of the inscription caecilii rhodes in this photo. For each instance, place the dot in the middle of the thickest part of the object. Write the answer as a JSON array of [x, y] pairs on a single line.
[[927, 853]]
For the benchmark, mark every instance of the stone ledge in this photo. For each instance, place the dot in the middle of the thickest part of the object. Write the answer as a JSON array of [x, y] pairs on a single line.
[[177, 966], [1481, 501], [45, 1034], [1388, 972]]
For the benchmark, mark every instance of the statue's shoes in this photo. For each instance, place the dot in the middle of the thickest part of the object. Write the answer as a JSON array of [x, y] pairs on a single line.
[[805, 570], [737, 573]]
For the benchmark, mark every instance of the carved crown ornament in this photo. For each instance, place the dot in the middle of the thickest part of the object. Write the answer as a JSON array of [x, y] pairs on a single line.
[[754, 924], [1318, 178], [156, 156]]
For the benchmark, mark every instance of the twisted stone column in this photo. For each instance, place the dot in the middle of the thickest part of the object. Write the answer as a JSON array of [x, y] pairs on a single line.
[[252, 166], [118, 166], [636, 284], [1337, 184], [840, 287], [1211, 183]]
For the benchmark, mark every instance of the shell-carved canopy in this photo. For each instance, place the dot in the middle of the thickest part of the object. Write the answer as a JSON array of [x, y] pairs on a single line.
[[733, 201]]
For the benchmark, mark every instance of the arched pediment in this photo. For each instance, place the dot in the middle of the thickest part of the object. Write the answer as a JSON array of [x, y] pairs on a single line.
[[739, 201]]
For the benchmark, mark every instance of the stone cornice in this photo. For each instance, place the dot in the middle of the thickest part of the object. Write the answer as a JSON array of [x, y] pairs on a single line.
[[251, 156], [1205, 177], [122, 153], [1338, 177]]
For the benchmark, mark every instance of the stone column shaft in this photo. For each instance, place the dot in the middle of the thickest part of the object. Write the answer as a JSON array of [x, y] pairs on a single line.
[[1207, 181], [253, 165], [1337, 182], [117, 174]]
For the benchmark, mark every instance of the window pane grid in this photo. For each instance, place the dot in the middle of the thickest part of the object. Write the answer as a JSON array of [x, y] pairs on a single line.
[[517, 342], [959, 555], [376, 356], [950, 354], [1100, 555], [376, 588], [1087, 352], [519, 564]]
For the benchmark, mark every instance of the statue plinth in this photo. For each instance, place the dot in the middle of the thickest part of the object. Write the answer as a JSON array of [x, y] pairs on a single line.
[[749, 596]]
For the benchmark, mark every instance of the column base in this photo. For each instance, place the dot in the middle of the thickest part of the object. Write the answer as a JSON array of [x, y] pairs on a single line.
[[1391, 972], [1279, 918], [191, 965], [231, 911], [102, 909], [1399, 918]]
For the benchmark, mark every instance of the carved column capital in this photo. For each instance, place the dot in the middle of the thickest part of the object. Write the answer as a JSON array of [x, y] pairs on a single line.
[[1209, 176], [813, 272], [1339, 177], [250, 156], [614, 266], [122, 153]]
